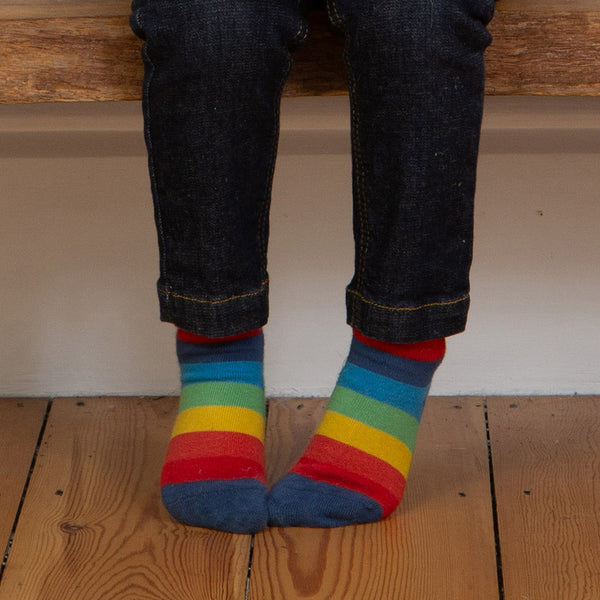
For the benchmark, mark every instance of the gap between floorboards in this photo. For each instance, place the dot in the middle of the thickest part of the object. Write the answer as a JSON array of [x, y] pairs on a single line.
[[25, 487]]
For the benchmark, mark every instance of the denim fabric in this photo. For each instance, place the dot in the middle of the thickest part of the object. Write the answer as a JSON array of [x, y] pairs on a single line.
[[215, 70]]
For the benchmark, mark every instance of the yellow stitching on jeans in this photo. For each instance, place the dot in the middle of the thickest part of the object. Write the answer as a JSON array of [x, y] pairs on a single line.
[[333, 12], [248, 295], [407, 308], [265, 205], [359, 200]]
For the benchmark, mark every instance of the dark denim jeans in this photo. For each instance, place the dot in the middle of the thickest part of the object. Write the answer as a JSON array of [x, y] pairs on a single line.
[[215, 70]]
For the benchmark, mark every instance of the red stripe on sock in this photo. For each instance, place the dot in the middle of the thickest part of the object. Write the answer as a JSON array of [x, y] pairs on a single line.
[[210, 469], [202, 455], [343, 465], [427, 350], [186, 336], [209, 444]]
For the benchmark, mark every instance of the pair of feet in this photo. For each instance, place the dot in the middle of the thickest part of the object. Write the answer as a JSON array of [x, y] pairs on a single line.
[[355, 467]]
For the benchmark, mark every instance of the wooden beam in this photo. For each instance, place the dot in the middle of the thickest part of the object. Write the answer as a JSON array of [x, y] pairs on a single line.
[[80, 50], [545, 47]]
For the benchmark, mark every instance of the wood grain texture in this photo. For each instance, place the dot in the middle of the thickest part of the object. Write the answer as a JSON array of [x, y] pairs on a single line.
[[92, 526], [290, 425], [546, 458], [439, 544], [52, 9], [555, 51], [70, 50], [69, 59], [20, 421]]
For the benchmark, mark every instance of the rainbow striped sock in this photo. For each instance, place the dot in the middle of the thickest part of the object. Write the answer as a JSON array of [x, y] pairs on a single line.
[[354, 468], [214, 473]]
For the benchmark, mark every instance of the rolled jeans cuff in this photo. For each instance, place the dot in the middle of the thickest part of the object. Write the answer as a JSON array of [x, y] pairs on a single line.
[[215, 318], [406, 324]]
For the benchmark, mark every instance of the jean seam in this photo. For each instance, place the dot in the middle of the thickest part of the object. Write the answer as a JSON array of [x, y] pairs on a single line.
[[362, 245], [334, 15], [361, 203], [264, 215], [148, 136], [223, 301], [138, 20], [407, 308], [302, 29], [265, 205]]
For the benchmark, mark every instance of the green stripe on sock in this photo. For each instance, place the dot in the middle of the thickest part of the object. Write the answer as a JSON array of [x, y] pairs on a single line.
[[377, 414], [222, 393]]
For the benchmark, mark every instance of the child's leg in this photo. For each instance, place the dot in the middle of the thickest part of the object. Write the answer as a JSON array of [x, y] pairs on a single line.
[[214, 471], [416, 88], [416, 75], [214, 75], [355, 467]]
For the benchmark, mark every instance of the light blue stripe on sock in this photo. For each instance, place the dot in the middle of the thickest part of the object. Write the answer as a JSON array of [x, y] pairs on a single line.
[[408, 398], [237, 371]]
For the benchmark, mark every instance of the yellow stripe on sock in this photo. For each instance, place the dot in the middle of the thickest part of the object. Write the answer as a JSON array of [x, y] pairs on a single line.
[[220, 418], [368, 439]]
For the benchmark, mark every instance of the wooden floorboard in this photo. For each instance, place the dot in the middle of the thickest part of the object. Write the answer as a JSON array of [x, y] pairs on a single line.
[[290, 425], [439, 544], [21, 421], [92, 526], [546, 458]]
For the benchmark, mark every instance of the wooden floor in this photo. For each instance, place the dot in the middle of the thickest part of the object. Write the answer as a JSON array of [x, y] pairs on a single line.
[[503, 503]]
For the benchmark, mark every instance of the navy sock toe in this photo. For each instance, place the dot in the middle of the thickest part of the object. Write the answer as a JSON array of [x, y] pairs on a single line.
[[297, 501], [235, 506]]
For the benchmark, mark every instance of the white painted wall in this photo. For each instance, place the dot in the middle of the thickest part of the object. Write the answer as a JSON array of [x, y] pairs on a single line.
[[78, 263]]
